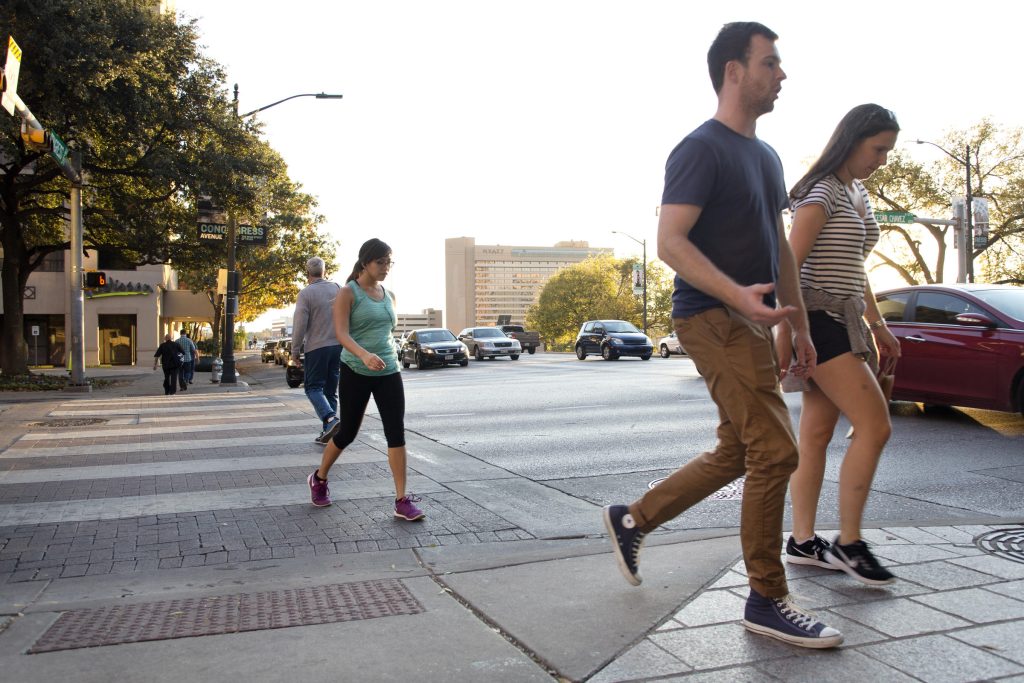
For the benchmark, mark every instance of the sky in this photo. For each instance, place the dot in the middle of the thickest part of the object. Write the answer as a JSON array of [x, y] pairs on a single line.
[[532, 122]]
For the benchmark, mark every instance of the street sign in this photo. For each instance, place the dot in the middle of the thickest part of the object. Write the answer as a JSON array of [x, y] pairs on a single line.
[[252, 234], [12, 67], [212, 232], [892, 217], [58, 149], [35, 330]]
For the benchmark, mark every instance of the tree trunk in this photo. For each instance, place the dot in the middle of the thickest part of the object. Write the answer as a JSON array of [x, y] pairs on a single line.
[[13, 350]]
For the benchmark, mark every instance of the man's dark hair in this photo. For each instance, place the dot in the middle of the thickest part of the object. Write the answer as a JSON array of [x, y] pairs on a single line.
[[733, 43]]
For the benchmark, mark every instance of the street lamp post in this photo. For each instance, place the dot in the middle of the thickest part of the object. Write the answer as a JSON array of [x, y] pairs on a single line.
[[231, 304], [964, 239], [642, 243]]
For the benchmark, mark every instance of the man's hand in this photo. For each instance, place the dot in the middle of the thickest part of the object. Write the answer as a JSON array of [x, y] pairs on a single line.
[[750, 304]]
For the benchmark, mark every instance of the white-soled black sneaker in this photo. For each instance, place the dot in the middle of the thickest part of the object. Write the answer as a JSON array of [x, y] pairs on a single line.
[[810, 552], [779, 618], [857, 560], [626, 541], [329, 431]]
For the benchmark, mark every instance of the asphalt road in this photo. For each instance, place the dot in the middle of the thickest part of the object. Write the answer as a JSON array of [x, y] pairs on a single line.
[[602, 430]]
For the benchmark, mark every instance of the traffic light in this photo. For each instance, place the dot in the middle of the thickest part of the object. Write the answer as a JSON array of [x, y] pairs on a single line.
[[95, 279]]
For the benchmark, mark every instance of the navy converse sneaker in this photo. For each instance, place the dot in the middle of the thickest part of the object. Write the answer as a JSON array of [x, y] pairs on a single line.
[[810, 552], [857, 560], [779, 618], [626, 541]]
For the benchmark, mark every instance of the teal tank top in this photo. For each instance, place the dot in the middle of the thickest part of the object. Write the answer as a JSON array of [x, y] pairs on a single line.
[[370, 323]]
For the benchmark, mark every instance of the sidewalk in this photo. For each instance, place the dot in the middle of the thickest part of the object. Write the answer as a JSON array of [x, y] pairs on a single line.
[[171, 538]]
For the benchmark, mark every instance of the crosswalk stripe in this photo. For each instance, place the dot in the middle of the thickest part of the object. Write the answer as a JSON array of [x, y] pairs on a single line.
[[177, 398], [189, 444], [175, 467], [198, 501], [161, 409], [177, 428]]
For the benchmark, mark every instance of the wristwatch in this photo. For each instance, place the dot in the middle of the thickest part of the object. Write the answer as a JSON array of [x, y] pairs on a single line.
[[877, 324]]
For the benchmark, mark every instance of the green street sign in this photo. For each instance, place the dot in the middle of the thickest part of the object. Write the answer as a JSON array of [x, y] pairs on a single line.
[[59, 149], [894, 217]]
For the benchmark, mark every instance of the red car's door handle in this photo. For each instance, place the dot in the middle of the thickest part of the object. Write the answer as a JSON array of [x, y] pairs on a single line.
[[915, 339]]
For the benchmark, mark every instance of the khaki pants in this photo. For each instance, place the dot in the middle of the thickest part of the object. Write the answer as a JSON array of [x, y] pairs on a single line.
[[755, 437]]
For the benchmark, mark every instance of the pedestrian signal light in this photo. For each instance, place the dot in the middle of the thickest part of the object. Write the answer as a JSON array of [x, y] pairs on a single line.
[[95, 279], [36, 139]]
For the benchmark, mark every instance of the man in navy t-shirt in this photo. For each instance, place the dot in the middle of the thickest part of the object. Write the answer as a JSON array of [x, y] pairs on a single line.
[[721, 230]]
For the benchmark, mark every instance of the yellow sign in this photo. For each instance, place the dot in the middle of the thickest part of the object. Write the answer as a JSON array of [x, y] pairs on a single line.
[[11, 70]]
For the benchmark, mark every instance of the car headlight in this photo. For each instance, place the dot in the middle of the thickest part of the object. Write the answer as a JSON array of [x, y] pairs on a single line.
[[465, 349], [615, 340], [429, 351], [649, 342], [487, 345]]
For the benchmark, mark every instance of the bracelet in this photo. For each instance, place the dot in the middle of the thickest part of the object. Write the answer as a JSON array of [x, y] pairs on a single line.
[[877, 324]]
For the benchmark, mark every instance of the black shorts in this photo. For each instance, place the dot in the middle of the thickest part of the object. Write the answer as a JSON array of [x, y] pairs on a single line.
[[829, 336]]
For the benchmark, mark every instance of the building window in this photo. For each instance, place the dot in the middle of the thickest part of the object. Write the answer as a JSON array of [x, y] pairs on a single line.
[[112, 259], [52, 263]]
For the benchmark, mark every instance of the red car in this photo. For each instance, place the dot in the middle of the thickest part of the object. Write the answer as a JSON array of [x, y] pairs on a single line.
[[962, 344]]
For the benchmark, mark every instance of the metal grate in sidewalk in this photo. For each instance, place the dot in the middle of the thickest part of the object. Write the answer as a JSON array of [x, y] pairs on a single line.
[[217, 615], [1005, 543]]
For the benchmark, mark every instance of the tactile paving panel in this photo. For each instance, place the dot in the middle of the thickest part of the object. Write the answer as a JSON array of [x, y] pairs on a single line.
[[222, 614], [1005, 543]]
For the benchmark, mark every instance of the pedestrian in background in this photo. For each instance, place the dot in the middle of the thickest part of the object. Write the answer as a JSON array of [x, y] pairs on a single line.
[[313, 334], [364, 317], [169, 355], [190, 352], [721, 231], [833, 232]]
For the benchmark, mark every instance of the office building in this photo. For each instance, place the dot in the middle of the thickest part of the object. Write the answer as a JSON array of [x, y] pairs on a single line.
[[483, 281]]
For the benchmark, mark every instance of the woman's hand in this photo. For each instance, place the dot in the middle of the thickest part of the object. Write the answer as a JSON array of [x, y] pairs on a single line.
[[373, 362], [887, 342], [783, 348]]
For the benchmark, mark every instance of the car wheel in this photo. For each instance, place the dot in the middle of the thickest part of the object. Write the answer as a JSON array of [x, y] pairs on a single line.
[[420, 365], [476, 353], [608, 354], [405, 363], [294, 384], [665, 353], [490, 357], [514, 356], [580, 353], [645, 356], [463, 363], [531, 350]]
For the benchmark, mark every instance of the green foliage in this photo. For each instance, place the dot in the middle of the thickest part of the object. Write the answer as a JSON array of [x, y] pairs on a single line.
[[41, 382], [921, 253], [132, 91], [598, 288]]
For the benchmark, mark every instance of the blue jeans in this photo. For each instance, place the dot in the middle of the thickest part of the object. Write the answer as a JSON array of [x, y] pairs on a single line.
[[322, 368], [186, 372]]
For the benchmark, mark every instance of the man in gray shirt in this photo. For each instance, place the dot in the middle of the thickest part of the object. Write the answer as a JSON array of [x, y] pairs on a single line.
[[313, 334]]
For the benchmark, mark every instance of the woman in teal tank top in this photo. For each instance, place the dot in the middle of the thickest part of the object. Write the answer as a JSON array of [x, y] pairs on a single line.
[[364, 318]]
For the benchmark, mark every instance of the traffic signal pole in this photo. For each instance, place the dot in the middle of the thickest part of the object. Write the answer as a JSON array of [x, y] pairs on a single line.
[[75, 341]]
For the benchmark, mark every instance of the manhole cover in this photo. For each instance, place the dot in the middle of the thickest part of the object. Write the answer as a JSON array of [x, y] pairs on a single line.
[[1005, 543], [732, 491], [216, 615], [70, 422]]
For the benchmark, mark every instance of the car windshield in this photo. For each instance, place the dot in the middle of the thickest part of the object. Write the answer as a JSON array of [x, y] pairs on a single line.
[[482, 332], [620, 326], [434, 336], [1009, 301]]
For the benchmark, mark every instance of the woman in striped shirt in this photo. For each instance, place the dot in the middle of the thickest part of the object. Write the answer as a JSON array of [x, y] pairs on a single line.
[[833, 232]]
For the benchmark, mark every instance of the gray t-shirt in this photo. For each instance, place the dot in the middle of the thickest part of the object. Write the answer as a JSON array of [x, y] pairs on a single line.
[[313, 323]]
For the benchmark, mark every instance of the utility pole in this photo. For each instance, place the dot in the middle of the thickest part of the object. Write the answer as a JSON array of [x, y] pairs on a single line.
[[965, 231], [642, 243]]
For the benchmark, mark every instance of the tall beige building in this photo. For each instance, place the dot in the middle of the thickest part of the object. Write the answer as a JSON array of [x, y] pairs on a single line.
[[483, 281]]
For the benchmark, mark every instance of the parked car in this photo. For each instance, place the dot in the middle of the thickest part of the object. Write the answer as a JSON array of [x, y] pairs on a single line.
[[282, 351], [612, 339], [960, 345], [432, 346], [294, 371], [669, 345], [267, 354], [528, 340], [489, 342]]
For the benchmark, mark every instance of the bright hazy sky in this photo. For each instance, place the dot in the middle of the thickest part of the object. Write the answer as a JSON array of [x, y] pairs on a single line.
[[530, 122]]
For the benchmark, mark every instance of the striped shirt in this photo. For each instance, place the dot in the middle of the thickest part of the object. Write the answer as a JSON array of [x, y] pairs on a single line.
[[836, 262]]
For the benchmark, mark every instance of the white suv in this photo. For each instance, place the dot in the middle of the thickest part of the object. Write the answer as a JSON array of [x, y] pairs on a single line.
[[669, 345]]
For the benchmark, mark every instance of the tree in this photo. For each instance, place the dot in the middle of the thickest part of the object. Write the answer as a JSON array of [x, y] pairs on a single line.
[[996, 174], [133, 92], [598, 288]]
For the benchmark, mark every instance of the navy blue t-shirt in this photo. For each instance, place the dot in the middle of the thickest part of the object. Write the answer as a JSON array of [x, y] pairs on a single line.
[[738, 183]]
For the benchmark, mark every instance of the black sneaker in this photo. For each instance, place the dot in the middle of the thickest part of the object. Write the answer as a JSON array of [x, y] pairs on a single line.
[[857, 560], [779, 618], [329, 431], [810, 552], [626, 540]]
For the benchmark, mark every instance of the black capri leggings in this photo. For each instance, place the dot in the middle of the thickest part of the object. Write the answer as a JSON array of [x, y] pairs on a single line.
[[354, 392]]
